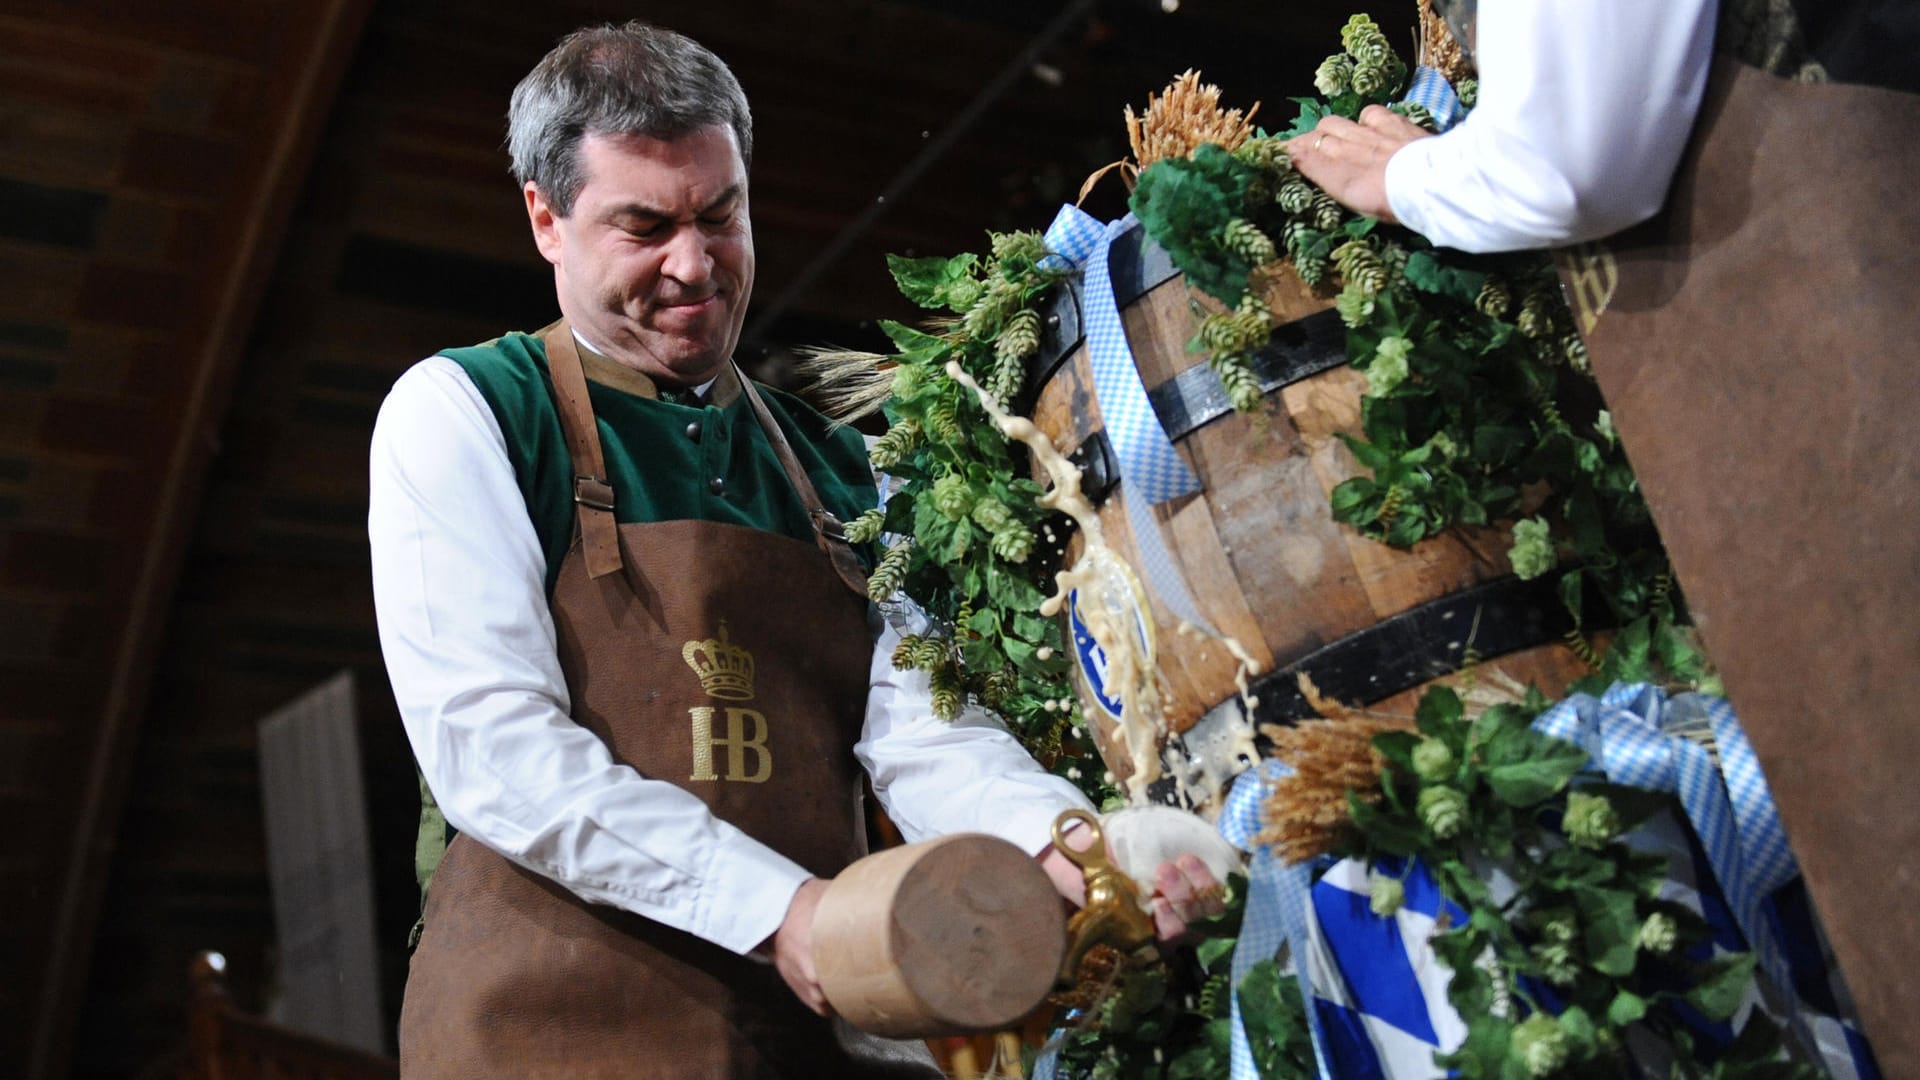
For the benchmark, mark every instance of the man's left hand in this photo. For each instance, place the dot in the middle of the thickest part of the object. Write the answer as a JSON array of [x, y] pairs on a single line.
[[1349, 160]]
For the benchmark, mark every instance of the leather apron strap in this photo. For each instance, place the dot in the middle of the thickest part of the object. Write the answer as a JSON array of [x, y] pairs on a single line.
[[827, 529], [592, 494]]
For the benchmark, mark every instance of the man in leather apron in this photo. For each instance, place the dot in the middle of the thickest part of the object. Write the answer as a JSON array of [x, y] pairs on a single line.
[[630, 643]]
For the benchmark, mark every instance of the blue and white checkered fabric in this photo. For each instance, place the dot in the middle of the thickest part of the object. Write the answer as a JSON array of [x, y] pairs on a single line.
[[1276, 914], [1151, 470], [1632, 734], [1431, 89]]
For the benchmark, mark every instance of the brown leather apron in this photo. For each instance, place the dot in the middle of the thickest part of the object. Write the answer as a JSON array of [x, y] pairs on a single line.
[[1755, 342], [728, 661]]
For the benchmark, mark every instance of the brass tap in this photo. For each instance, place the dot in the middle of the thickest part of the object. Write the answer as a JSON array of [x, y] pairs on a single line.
[[1112, 914]]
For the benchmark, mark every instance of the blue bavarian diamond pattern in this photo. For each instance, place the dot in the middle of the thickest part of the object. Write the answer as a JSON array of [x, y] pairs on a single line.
[[1431, 89]]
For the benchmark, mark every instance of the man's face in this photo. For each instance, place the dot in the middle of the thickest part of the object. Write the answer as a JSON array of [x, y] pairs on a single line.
[[655, 263]]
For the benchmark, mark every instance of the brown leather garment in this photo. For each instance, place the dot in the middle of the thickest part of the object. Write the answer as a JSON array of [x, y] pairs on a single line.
[[727, 661]]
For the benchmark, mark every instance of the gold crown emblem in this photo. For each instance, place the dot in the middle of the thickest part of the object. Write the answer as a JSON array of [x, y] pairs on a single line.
[[725, 669]]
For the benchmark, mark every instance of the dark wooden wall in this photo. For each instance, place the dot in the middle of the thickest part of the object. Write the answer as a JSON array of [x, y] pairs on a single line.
[[212, 265]]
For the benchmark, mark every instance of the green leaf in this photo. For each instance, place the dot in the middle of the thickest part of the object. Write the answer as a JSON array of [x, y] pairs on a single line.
[[916, 346], [1311, 110], [1722, 986], [1391, 833], [1546, 768], [1612, 929], [1214, 950], [1626, 1008], [1579, 1028], [926, 281], [1397, 747], [1428, 274], [1439, 713]]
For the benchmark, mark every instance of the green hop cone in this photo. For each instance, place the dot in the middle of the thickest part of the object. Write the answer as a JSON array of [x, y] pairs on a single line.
[[1659, 934], [1575, 351], [1014, 543], [1025, 244], [1557, 964], [1369, 79], [1532, 551], [953, 496], [1021, 337], [943, 422], [1468, 92], [1244, 238], [1360, 32], [1239, 381], [947, 692], [888, 576], [1433, 760], [1557, 925], [1389, 367], [1590, 821], [1334, 75], [1536, 315], [1443, 810], [1268, 153], [1385, 895], [962, 295], [892, 448], [1295, 196], [1541, 1045], [1354, 305], [1327, 214], [866, 528], [992, 515], [1495, 298]]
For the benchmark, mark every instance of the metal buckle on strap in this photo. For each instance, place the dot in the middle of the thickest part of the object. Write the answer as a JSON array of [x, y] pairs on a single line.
[[827, 525], [593, 492]]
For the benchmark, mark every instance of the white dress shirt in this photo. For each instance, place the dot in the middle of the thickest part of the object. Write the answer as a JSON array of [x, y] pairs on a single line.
[[1584, 109], [460, 595]]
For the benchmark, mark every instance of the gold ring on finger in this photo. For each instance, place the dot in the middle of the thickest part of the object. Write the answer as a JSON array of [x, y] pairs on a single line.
[[1317, 142]]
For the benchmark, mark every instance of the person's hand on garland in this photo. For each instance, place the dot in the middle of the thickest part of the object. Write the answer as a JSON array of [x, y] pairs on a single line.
[[1349, 160]]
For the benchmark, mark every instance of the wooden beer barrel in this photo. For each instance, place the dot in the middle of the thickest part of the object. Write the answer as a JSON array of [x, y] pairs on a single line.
[[1261, 554]]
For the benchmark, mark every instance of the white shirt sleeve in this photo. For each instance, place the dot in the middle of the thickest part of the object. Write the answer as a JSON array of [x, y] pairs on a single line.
[[460, 596], [966, 775], [1584, 109]]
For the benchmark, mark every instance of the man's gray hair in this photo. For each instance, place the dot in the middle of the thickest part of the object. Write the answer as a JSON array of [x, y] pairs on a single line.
[[635, 79]]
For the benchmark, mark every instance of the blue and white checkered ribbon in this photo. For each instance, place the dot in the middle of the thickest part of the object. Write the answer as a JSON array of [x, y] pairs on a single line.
[[1628, 733], [1276, 911], [1631, 734], [1431, 89], [1151, 471]]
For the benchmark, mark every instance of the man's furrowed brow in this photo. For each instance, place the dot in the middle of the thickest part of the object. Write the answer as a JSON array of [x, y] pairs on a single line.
[[634, 210]]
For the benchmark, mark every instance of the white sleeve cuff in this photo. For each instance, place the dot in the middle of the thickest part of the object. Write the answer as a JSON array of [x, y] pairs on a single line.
[[745, 892]]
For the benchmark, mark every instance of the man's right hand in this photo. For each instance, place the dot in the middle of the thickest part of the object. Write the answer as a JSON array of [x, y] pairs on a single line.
[[793, 947]]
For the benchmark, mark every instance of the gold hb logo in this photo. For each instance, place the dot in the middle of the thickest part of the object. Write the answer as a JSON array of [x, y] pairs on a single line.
[[725, 669], [1592, 275], [726, 672], [737, 742]]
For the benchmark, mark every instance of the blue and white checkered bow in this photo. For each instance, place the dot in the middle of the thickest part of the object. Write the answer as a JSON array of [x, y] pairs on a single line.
[[1431, 89], [1151, 471]]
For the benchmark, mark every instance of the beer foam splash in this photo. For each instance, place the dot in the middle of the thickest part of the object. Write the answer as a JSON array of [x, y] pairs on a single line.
[[1109, 608]]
